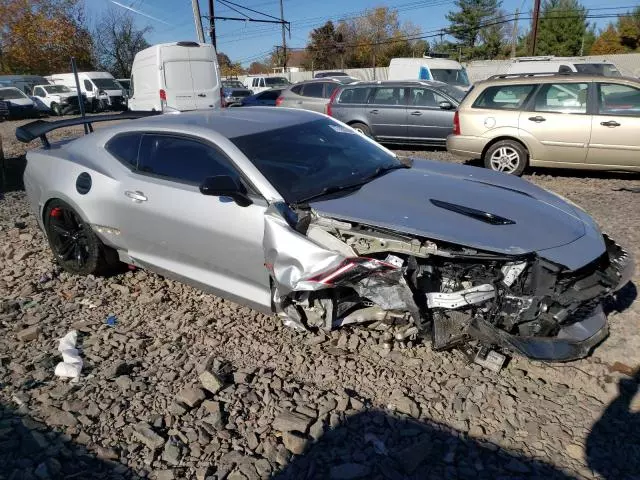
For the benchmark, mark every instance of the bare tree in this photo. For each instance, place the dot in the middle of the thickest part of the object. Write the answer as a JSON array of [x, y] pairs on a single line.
[[117, 40]]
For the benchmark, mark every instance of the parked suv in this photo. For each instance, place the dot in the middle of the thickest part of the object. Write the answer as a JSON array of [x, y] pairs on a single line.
[[402, 112], [550, 120], [312, 94]]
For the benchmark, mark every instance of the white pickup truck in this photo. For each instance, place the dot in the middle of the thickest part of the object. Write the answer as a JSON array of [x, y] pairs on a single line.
[[58, 99]]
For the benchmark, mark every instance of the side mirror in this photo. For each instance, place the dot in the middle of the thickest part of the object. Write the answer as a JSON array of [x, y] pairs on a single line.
[[226, 186], [445, 105]]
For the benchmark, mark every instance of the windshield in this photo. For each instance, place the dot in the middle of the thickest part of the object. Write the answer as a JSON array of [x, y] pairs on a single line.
[[307, 159], [605, 69], [11, 94], [272, 81], [454, 92], [452, 76], [57, 89], [106, 84], [232, 84], [124, 83]]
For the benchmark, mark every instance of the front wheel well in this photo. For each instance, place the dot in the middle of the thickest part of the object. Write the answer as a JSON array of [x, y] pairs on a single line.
[[499, 139]]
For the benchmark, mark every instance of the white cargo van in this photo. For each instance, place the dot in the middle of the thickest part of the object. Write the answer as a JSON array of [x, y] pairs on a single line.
[[101, 89], [175, 76], [552, 64], [261, 83], [427, 68]]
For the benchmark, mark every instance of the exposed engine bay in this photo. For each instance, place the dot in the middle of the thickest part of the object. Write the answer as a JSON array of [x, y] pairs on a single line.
[[345, 273]]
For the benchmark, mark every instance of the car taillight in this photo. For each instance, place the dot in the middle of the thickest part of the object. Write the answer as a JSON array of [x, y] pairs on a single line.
[[456, 123], [163, 95], [331, 100], [279, 101], [352, 269]]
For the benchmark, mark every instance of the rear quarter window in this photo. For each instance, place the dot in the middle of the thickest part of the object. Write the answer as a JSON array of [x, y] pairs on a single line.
[[503, 97], [297, 89], [125, 148], [354, 95]]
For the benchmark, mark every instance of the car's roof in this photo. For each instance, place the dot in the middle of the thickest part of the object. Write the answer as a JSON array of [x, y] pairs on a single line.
[[229, 122], [399, 83], [520, 78]]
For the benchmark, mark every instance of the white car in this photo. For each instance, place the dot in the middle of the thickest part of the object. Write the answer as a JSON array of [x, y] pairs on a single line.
[[59, 99], [20, 105]]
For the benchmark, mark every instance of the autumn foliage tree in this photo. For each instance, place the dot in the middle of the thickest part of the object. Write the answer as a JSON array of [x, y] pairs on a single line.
[[40, 36]]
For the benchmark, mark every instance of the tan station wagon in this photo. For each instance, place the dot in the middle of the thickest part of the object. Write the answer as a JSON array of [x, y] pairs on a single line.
[[550, 120]]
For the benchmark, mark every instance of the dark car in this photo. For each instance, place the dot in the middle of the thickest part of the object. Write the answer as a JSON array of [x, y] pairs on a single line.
[[398, 112], [233, 91], [263, 99], [4, 110]]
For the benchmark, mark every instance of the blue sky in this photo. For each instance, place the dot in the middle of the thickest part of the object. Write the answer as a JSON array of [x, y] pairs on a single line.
[[172, 20]]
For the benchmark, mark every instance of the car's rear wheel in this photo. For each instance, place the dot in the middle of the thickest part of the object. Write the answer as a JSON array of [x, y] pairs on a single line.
[[507, 156], [361, 128], [75, 246], [56, 109]]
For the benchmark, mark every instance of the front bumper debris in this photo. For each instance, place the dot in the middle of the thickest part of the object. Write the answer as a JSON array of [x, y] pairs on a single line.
[[571, 343]]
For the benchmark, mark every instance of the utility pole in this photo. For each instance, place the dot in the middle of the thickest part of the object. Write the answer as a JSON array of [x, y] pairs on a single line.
[[514, 34], [284, 39], [212, 25], [195, 6], [534, 29]]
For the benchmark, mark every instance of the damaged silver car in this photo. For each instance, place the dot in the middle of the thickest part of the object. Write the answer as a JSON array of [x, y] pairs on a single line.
[[295, 213]]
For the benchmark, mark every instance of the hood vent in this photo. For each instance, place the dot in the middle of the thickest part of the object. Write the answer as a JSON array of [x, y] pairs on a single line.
[[485, 217]]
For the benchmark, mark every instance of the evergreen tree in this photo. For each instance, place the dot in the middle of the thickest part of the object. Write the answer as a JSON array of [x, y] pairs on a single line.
[[563, 28], [468, 20]]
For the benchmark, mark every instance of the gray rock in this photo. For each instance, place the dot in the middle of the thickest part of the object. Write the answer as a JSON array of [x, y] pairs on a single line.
[[406, 405], [349, 471], [211, 382], [171, 453], [202, 473], [164, 475], [292, 421], [117, 369], [317, 430], [242, 377], [294, 442], [146, 435], [252, 440], [28, 334], [190, 396], [263, 467], [60, 417], [124, 382]]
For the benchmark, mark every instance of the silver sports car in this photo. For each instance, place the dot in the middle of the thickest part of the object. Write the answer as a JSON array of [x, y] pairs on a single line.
[[295, 213]]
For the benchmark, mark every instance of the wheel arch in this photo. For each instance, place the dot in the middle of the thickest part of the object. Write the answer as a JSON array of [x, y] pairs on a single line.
[[501, 138]]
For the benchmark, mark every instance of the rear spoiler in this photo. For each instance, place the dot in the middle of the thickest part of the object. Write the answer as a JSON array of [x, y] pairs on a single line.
[[40, 128]]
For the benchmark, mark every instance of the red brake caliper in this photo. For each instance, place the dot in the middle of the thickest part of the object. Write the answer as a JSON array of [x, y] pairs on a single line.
[[56, 212]]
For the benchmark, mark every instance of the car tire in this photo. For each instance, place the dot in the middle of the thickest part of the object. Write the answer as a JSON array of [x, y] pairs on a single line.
[[75, 246], [361, 128], [55, 108], [507, 156]]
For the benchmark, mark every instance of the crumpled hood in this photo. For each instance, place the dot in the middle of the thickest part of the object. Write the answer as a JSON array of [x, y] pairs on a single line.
[[401, 200]]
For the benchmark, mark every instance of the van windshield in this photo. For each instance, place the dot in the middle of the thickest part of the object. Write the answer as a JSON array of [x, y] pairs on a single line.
[[57, 89], [106, 84], [452, 76], [604, 69], [276, 81]]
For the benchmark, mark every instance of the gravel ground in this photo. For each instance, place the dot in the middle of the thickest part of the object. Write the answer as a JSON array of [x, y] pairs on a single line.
[[187, 385]]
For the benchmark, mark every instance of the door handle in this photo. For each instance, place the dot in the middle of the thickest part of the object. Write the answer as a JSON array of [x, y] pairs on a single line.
[[538, 119], [136, 196], [417, 113], [375, 112], [202, 94], [610, 123]]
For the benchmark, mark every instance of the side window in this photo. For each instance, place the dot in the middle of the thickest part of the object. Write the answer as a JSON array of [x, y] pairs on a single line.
[[262, 82], [565, 69], [88, 86], [254, 82], [424, 97], [503, 97], [387, 96], [313, 90], [617, 99], [297, 89], [131, 86], [329, 89], [181, 159], [39, 92], [125, 148], [562, 98], [354, 95]]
